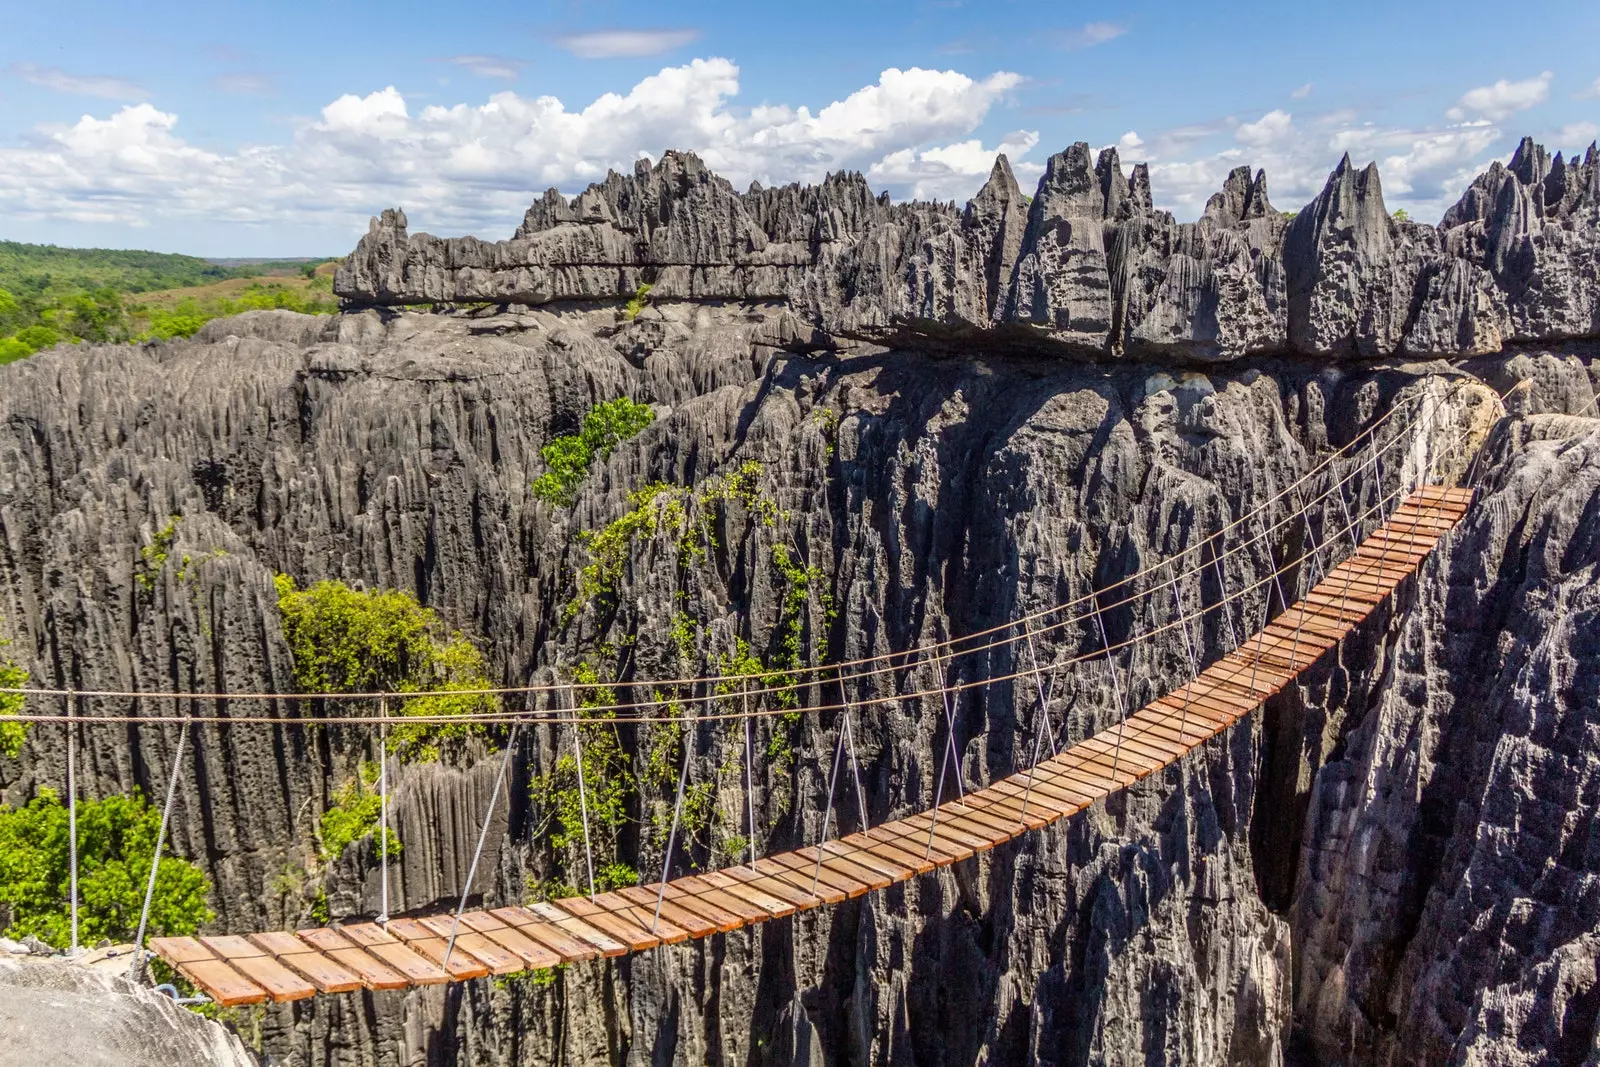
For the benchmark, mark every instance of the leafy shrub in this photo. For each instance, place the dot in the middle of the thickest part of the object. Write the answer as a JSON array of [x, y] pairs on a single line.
[[354, 815], [12, 733], [637, 301], [567, 459], [116, 843], [347, 640]]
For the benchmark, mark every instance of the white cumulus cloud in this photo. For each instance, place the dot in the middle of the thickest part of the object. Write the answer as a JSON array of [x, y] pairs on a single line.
[[1273, 126], [475, 167], [1502, 99]]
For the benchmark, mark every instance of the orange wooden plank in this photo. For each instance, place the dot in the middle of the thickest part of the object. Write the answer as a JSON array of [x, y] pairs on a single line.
[[706, 893], [326, 974], [571, 924], [569, 948], [777, 907], [177, 950], [222, 983], [533, 955], [890, 853], [231, 946], [280, 983], [390, 950], [492, 955], [615, 918], [373, 974], [688, 910]]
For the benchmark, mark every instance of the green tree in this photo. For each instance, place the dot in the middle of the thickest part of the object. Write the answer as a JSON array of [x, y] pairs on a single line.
[[354, 815], [348, 640], [1402, 215], [116, 842]]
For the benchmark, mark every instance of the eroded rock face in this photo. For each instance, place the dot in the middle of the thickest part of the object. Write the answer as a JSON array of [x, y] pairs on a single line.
[[55, 1014], [1227, 911], [1087, 269]]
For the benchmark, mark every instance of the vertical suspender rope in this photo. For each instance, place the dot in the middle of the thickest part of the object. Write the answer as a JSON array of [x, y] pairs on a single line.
[[72, 808], [583, 803], [950, 747], [1222, 586], [1040, 711], [749, 777], [1116, 687], [950, 736], [677, 811], [483, 834], [383, 808], [833, 779], [1041, 695], [855, 767], [137, 967], [1194, 663]]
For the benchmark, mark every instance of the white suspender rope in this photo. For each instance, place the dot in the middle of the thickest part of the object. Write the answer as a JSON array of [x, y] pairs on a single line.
[[833, 778], [483, 834], [137, 967], [583, 802], [950, 737], [677, 811], [950, 747], [749, 775], [72, 809], [1116, 688], [383, 809]]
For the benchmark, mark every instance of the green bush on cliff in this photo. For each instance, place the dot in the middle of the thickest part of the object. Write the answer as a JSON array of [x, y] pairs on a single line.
[[348, 640], [354, 815], [12, 733], [567, 459], [116, 841]]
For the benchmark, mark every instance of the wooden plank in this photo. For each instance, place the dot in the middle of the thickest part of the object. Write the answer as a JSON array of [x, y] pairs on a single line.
[[569, 948], [176, 950], [533, 955], [373, 974], [686, 919], [859, 852], [897, 836], [323, 973], [231, 946], [629, 933], [724, 880], [624, 921], [492, 955], [222, 983], [390, 950], [731, 903], [822, 890], [922, 821], [276, 943], [323, 939], [846, 867], [684, 908], [999, 828], [565, 921], [281, 984], [436, 949], [768, 878], [890, 852]]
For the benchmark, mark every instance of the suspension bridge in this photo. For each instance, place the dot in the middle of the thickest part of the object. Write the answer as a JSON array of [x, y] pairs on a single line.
[[1389, 536]]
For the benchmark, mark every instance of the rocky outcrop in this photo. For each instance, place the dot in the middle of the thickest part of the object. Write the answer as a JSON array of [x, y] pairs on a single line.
[[1307, 882], [58, 1014], [1088, 268]]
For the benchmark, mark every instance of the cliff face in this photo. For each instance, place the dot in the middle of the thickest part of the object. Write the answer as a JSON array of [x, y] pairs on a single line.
[[1392, 865], [1087, 267]]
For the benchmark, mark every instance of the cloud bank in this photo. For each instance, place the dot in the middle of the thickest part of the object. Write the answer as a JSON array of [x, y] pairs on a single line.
[[476, 167]]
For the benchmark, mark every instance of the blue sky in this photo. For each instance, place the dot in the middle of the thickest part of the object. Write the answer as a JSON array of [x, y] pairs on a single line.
[[278, 129]]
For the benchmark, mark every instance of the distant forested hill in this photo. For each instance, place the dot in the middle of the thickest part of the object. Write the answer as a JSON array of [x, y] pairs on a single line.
[[38, 269], [50, 295]]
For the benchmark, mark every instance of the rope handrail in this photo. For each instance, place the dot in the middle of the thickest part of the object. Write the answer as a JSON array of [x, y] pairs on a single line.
[[894, 660], [546, 716]]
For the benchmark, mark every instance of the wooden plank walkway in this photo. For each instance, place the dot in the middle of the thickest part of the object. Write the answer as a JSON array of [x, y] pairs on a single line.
[[235, 970]]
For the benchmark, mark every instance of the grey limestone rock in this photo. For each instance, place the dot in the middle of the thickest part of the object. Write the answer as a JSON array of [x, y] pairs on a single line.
[[1089, 270]]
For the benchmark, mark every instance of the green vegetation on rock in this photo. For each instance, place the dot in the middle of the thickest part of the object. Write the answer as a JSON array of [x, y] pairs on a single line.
[[12, 733], [116, 843], [567, 459], [354, 816], [348, 640]]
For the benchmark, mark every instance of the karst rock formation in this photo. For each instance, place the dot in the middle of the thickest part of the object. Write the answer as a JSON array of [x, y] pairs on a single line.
[[955, 417]]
